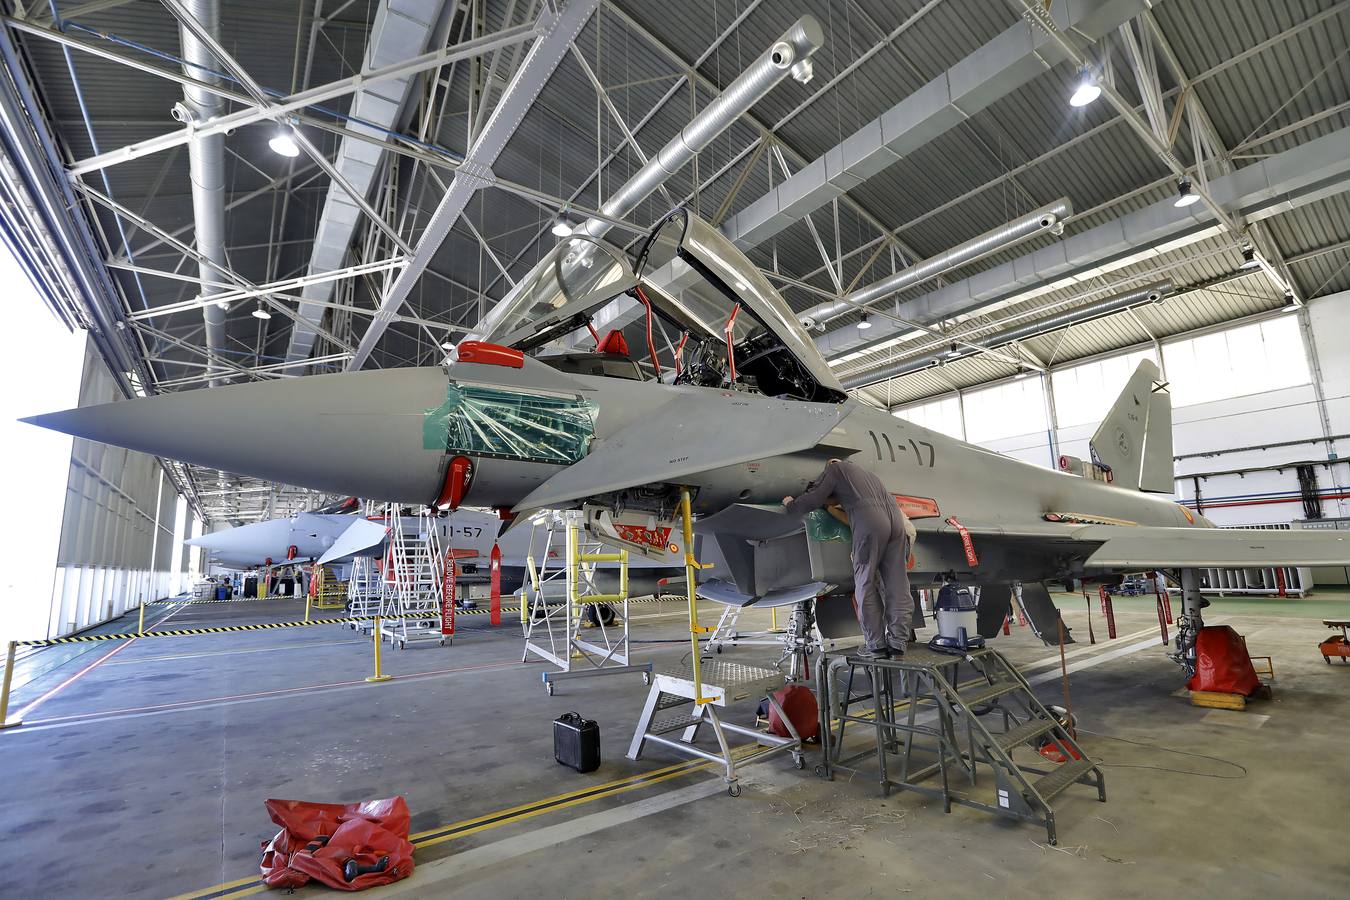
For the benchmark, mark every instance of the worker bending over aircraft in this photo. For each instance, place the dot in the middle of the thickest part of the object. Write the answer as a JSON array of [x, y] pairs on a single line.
[[881, 540]]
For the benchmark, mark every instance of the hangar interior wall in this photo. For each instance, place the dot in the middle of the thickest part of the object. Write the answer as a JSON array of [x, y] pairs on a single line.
[[117, 532]]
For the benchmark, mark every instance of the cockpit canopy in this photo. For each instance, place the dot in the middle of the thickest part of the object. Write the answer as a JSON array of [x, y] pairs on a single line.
[[705, 313]]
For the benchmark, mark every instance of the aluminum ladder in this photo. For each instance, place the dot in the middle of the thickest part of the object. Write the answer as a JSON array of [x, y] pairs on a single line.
[[413, 581], [576, 655], [721, 683]]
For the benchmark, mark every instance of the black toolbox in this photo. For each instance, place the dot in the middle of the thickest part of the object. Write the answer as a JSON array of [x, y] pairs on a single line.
[[576, 742]]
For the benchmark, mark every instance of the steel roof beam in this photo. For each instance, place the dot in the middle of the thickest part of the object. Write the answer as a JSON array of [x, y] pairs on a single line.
[[1285, 181], [997, 69], [475, 172], [399, 31], [283, 105]]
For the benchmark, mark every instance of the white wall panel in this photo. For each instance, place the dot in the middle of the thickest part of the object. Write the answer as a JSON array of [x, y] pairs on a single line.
[[118, 511]]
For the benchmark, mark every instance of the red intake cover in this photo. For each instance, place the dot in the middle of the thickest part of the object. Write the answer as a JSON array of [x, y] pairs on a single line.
[[490, 354]]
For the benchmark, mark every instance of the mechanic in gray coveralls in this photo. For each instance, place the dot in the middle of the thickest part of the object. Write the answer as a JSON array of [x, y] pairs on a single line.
[[881, 543]]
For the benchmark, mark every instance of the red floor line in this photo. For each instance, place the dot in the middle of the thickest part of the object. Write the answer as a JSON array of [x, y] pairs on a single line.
[[87, 669], [299, 690]]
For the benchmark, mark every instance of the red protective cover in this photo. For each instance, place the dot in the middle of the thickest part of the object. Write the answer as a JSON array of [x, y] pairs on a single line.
[[1222, 663], [364, 832], [800, 705], [489, 354], [614, 343]]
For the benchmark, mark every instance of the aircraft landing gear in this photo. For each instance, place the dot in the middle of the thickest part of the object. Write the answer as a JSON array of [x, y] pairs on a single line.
[[1190, 622]]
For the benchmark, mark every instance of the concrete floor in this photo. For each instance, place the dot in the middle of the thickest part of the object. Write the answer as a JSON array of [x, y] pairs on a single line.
[[146, 775]]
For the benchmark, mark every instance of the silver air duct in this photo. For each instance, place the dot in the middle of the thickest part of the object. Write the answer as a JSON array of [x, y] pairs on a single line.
[[1153, 293], [1048, 218], [789, 55], [206, 159]]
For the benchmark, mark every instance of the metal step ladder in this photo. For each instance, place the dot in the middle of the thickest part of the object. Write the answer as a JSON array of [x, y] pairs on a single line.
[[413, 581], [930, 713], [553, 630], [722, 683]]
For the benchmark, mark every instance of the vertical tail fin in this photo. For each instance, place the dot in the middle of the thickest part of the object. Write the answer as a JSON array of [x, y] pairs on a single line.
[[1135, 438]]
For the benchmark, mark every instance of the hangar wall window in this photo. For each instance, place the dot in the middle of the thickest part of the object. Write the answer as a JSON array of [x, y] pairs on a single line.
[[1251, 359], [942, 416], [1083, 394], [1013, 408]]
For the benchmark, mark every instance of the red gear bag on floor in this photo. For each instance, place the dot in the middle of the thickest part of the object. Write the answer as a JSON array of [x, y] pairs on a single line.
[[364, 832], [800, 705], [1222, 663]]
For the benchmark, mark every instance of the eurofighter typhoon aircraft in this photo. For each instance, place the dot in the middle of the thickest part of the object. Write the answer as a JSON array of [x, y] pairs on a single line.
[[742, 412]]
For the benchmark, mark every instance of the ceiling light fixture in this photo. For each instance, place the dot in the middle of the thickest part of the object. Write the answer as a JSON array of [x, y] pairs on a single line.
[[561, 228], [1249, 260], [261, 313], [283, 143], [1088, 89], [1184, 196], [863, 323], [447, 345]]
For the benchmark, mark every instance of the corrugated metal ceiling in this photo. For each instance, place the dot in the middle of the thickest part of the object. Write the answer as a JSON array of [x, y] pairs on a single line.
[[957, 186]]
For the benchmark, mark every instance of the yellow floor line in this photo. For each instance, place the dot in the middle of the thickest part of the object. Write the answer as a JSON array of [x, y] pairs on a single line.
[[508, 816]]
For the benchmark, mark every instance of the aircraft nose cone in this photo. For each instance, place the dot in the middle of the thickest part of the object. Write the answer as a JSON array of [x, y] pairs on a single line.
[[356, 434]]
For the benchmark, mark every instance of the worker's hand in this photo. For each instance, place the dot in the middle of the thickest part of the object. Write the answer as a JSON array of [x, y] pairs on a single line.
[[787, 500]]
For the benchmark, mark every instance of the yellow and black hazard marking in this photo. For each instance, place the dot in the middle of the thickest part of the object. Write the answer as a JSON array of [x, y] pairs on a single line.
[[232, 600], [262, 626], [214, 629]]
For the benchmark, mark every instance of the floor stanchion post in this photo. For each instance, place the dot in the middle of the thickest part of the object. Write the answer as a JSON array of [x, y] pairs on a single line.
[[4, 688], [378, 676]]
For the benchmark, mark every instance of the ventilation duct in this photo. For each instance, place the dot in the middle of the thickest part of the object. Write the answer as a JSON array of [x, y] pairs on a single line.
[[790, 55], [1049, 218], [1153, 293], [206, 163]]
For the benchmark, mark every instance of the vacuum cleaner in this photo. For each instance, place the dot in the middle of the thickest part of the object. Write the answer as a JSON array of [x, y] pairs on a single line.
[[956, 620]]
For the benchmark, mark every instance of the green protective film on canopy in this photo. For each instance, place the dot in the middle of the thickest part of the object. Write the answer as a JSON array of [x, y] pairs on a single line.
[[821, 526], [506, 424]]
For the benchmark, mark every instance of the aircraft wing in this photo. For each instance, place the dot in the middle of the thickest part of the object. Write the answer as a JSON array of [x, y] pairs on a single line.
[[1156, 546], [362, 534], [1225, 548], [695, 432]]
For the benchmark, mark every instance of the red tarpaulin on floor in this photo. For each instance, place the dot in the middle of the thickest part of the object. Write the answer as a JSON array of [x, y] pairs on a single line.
[[318, 840]]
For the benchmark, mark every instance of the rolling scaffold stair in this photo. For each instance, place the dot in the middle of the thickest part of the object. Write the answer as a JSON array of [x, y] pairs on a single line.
[[365, 591], [413, 581], [931, 714], [553, 630]]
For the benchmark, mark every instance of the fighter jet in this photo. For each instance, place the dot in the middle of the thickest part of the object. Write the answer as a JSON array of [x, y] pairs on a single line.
[[732, 401], [301, 538]]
